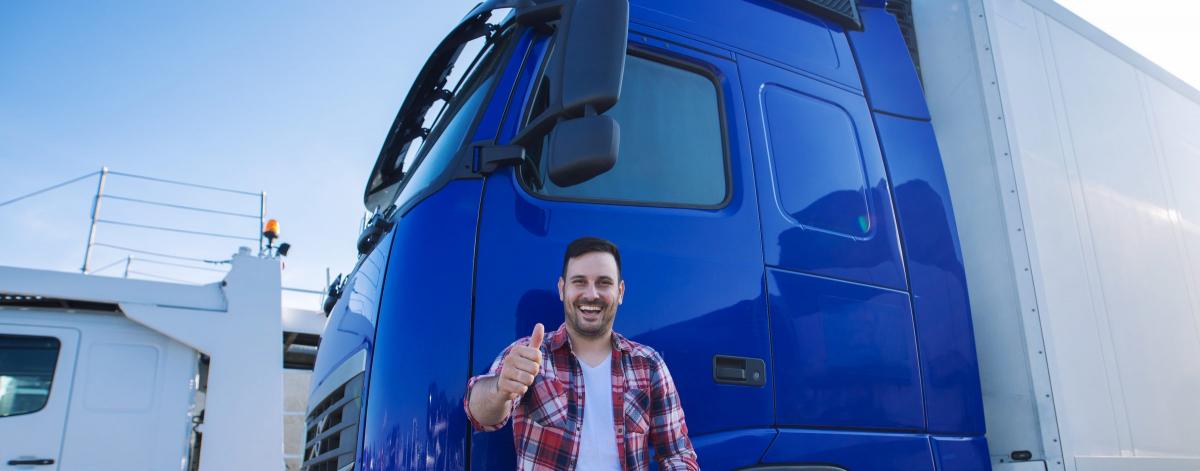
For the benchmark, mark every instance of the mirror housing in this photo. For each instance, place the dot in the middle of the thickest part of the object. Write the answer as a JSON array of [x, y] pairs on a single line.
[[588, 63], [582, 148], [590, 45]]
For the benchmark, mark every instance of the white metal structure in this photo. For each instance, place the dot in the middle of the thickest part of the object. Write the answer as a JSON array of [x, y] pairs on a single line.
[[1072, 163], [123, 390]]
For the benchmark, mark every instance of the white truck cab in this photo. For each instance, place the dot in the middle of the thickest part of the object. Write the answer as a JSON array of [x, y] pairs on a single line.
[[101, 373]]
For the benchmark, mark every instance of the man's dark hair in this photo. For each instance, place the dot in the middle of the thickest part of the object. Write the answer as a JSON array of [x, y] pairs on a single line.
[[584, 245]]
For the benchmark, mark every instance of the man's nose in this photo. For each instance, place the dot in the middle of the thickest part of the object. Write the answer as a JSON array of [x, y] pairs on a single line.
[[591, 292]]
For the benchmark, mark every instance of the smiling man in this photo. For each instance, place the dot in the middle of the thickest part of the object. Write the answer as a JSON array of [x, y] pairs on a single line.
[[584, 397]]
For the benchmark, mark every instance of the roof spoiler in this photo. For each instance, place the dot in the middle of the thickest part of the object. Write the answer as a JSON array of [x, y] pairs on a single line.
[[843, 12]]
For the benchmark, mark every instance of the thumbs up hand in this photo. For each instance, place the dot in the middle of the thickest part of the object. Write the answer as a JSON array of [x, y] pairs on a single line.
[[521, 366]]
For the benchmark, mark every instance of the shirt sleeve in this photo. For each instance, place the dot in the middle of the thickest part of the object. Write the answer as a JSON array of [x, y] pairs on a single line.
[[668, 429], [495, 369]]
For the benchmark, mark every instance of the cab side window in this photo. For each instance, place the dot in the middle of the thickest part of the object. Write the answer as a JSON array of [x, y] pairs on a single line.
[[26, 371], [672, 150]]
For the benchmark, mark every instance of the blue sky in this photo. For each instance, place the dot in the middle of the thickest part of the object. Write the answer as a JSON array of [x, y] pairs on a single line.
[[290, 98]]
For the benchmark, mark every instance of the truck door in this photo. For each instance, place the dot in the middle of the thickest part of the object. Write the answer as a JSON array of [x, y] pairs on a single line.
[[843, 337], [681, 206], [37, 365]]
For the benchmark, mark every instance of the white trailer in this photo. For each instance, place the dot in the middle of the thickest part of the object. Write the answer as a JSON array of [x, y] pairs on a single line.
[[1073, 164], [107, 374]]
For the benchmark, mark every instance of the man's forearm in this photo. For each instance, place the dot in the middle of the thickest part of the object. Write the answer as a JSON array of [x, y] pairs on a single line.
[[488, 405]]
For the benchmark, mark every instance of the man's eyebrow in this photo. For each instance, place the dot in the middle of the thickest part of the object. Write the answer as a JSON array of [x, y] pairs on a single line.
[[598, 278]]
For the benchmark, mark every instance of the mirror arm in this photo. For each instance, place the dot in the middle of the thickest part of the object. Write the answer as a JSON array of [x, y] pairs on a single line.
[[541, 14], [378, 226], [538, 127], [486, 156]]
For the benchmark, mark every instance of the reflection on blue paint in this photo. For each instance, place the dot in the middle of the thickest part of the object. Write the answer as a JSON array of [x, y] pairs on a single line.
[[413, 418]]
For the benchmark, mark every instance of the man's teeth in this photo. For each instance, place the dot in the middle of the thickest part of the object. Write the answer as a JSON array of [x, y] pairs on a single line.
[[589, 308]]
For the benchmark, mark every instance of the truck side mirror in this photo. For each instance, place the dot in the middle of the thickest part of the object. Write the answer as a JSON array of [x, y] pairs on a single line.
[[583, 148], [586, 71], [589, 55]]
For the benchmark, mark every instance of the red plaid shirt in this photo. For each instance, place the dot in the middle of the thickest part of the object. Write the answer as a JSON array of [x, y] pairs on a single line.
[[548, 420]]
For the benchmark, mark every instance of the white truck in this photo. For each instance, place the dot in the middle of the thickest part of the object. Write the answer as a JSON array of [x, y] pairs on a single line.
[[1073, 164], [112, 374]]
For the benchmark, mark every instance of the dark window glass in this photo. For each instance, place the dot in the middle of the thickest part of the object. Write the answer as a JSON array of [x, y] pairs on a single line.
[[672, 150], [26, 371]]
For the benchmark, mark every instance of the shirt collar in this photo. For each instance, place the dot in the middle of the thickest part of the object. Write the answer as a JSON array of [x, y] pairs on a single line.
[[560, 338]]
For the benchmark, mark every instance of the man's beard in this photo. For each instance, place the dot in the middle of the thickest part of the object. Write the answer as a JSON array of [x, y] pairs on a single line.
[[608, 312]]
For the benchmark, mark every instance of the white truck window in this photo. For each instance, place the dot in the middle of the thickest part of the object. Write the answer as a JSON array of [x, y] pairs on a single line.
[[26, 371]]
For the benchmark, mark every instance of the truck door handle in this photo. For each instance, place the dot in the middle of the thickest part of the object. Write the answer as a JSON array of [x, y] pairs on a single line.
[[31, 462], [739, 370]]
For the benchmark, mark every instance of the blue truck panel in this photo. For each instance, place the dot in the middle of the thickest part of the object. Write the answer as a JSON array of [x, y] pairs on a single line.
[[730, 450], [845, 355], [867, 248], [954, 453], [937, 276], [856, 451], [765, 29], [887, 71], [351, 324], [413, 412]]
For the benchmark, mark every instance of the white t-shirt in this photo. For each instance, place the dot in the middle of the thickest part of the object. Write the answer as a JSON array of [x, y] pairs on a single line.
[[598, 442]]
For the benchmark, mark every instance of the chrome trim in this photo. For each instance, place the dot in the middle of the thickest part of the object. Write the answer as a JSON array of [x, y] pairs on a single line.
[[354, 365]]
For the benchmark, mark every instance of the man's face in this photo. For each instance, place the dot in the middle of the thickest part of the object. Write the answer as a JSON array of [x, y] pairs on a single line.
[[590, 292]]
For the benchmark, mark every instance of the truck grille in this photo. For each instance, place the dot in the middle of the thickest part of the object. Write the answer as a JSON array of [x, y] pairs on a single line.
[[331, 429]]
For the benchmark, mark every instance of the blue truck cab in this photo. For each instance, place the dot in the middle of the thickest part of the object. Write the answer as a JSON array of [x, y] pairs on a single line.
[[770, 174]]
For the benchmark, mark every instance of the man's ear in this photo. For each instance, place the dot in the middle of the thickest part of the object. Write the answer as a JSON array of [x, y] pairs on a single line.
[[620, 292], [561, 284]]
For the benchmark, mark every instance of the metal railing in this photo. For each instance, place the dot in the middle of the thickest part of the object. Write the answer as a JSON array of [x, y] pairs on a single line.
[[99, 198], [144, 257], [140, 260]]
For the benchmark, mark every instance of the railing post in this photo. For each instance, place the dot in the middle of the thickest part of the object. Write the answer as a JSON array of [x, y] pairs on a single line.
[[328, 281], [87, 251], [262, 213], [128, 261]]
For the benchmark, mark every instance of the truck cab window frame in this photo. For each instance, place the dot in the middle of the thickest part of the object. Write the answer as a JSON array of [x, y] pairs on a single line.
[[431, 164], [532, 174]]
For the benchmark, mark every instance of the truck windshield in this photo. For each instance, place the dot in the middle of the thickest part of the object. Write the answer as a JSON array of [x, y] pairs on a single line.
[[454, 121]]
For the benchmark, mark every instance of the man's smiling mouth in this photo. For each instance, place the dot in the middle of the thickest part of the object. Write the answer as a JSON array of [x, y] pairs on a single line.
[[590, 310]]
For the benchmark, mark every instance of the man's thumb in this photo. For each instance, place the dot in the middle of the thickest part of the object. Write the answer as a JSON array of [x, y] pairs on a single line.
[[539, 331]]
